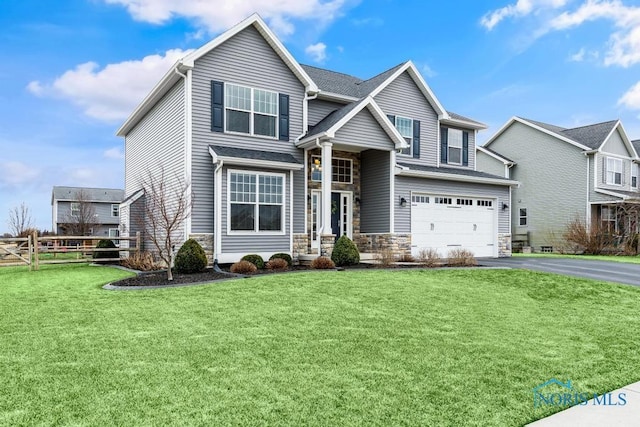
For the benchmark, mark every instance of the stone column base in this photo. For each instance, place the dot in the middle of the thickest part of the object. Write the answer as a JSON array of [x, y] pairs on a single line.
[[300, 246], [504, 245], [206, 241], [327, 241]]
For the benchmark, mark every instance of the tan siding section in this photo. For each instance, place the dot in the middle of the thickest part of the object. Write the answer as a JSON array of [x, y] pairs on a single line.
[[245, 59]]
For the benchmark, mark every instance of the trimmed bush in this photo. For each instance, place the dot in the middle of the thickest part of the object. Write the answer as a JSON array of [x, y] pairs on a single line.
[[277, 264], [243, 267], [191, 258], [322, 263], [106, 244], [461, 258], [283, 256], [254, 259], [345, 252], [386, 257]]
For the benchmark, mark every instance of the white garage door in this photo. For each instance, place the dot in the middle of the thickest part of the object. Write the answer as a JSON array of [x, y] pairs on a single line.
[[445, 222]]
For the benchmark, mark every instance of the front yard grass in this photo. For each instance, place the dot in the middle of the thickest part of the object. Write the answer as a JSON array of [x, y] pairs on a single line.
[[630, 259], [446, 347]]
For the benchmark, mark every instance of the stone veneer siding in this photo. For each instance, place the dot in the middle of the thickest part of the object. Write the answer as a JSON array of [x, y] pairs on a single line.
[[400, 244], [504, 245], [354, 187], [300, 245], [206, 241], [327, 241]]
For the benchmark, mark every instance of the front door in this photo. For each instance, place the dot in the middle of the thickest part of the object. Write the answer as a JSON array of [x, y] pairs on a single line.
[[341, 214]]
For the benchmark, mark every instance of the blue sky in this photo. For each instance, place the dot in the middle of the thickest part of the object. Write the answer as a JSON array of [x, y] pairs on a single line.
[[72, 71]]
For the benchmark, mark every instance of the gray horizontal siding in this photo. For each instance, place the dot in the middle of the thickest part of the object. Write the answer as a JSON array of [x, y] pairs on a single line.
[[364, 131], [488, 164], [375, 192], [553, 177], [245, 59], [406, 185], [254, 242], [615, 145], [158, 142], [319, 109], [102, 210], [403, 98]]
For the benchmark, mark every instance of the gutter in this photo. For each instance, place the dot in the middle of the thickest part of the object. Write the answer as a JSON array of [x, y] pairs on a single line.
[[459, 178]]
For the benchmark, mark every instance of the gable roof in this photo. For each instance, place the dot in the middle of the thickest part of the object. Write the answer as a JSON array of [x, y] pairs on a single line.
[[588, 138], [188, 62], [328, 126], [61, 193], [636, 145], [258, 158], [495, 155]]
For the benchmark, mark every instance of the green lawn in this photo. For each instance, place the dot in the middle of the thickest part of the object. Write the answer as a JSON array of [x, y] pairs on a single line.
[[615, 258], [445, 347]]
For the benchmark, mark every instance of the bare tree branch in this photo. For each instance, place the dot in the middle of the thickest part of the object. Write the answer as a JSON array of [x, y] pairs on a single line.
[[167, 204], [20, 221], [82, 220]]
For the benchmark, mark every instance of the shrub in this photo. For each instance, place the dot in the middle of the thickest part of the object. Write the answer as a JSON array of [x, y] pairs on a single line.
[[322, 263], [406, 258], [283, 256], [386, 257], [243, 267], [592, 239], [106, 244], [277, 264], [461, 258], [141, 261], [190, 258], [429, 257], [254, 259], [345, 252]]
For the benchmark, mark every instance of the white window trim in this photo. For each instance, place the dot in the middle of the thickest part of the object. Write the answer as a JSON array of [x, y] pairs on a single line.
[[615, 161], [252, 112], [634, 174], [449, 146], [256, 231], [332, 159], [118, 210], [117, 233], [410, 153], [525, 216], [613, 219], [77, 208]]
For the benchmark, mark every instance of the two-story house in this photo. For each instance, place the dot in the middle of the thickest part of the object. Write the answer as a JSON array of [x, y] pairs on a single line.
[[585, 173], [283, 157], [97, 210]]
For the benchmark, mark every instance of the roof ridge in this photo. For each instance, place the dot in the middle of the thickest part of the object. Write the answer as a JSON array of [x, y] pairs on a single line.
[[594, 124], [541, 122], [332, 71], [88, 188], [385, 71]]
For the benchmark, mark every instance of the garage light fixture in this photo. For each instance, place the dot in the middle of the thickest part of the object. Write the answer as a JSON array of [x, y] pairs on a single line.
[[403, 202], [505, 206]]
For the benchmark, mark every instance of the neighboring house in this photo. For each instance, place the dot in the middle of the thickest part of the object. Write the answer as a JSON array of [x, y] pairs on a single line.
[[284, 157], [98, 207], [585, 172]]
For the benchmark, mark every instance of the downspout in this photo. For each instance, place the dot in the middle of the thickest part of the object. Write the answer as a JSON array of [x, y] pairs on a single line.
[[187, 145], [305, 113], [217, 212]]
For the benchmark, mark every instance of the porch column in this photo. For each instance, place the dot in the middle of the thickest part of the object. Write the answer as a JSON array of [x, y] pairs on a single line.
[[326, 187]]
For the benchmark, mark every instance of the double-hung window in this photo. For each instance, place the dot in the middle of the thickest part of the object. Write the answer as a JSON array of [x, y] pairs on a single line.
[[614, 171], [256, 202], [608, 217], [522, 216], [405, 127], [251, 111], [115, 210], [454, 154], [634, 175], [75, 209]]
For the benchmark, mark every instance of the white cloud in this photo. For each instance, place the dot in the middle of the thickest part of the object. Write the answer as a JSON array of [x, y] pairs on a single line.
[[428, 71], [111, 93], [15, 173], [578, 56], [216, 16], [317, 52], [519, 9], [114, 153], [631, 99]]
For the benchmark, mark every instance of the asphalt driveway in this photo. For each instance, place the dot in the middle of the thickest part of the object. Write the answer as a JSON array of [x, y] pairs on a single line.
[[598, 270]]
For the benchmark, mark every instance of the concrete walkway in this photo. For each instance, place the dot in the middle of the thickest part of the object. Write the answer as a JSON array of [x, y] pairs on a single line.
[[599, 415]]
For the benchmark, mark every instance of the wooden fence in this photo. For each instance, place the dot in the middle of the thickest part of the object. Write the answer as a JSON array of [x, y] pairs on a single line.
[[32, 250]]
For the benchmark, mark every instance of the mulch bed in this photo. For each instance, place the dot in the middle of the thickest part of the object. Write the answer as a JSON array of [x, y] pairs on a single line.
[[159, 278]]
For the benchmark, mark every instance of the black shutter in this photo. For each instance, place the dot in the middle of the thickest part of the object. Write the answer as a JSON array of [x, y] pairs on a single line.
[[217, 106], [416, 139], [284, 117], [444, 144], [465, 148]]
